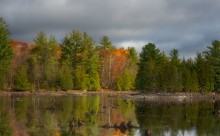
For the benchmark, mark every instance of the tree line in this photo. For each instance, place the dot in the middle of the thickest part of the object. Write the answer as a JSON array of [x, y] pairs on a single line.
[[77, 63]]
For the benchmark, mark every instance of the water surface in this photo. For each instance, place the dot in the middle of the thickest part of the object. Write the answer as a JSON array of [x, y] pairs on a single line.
[[100, 115]]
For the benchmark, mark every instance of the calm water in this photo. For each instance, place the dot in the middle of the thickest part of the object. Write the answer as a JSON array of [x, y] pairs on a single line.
[[102, 116]]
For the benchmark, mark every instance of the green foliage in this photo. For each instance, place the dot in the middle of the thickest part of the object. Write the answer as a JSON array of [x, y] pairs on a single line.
[[174, 57], [205, 74], [175, 75], [43, 63], [6, 54], [21, 82], [126, 81], [148, 73], [106, 43], [189, 77], [213, 58], [80, 64], [65, 77], [133, 54], [83, 59], [80, 79]]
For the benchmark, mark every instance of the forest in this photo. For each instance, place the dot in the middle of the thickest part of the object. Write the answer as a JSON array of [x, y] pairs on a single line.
[[78, 63]]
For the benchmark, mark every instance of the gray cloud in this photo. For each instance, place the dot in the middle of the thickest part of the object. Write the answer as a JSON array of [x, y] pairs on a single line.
[[186, 25]]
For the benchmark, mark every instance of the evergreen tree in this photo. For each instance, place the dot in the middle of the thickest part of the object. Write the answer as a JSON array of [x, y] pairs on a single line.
[[164, 73], [213, 58], [175, 74], [6, 54], [43, 63], [21, 82], [148, 74], [174, 57], [106, 43], [189, 76], [133, 54], [78, 49], [195, 83], [205, 74], [186, 77]]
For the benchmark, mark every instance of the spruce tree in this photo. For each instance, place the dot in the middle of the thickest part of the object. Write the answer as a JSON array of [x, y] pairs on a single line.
[[148, 73], [213, 57], [42, 62], [106, 43], [175, 77], [78, 49], [205, 74], [6, 54]]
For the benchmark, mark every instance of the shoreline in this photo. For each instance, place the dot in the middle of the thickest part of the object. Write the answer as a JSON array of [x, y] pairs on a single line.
[[147, 96]]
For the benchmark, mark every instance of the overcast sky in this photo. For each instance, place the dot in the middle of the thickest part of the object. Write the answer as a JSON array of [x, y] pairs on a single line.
[[187, 25]]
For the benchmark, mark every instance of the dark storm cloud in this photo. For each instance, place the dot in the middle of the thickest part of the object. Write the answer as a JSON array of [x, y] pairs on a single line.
[[185, 25]]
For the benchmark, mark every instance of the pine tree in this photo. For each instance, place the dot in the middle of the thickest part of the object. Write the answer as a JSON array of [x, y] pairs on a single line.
[[106, 43], [205, 74], [133, 54], [213, 58], [148, 73], [6, 54], [175, 77], [78, 49], [43, 63]]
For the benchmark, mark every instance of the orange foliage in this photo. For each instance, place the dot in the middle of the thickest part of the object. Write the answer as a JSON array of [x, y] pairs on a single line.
[[117, 132], [58, 51], [113, 63], [21, 48]]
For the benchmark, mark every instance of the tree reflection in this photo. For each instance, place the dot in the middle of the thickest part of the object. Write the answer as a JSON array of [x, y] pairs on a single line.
[[104, 115], [177, 119]]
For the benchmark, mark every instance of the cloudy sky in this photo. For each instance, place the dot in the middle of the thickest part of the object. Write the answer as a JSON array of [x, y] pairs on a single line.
[[187, 25]]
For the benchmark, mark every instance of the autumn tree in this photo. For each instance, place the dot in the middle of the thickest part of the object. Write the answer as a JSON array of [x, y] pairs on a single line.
[[126, 78], [6, 54]]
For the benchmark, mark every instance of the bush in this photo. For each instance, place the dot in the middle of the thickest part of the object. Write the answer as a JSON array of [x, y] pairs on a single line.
[[65, 78], [21, 82], [125, 81]]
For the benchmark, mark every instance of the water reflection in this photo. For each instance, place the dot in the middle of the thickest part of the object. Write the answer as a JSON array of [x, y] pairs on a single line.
[[104, 116]]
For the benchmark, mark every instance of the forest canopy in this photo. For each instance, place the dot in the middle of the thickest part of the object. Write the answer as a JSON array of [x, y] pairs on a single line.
[[78, 63]]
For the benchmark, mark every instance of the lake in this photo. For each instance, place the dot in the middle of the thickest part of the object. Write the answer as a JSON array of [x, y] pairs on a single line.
[[101, 115]]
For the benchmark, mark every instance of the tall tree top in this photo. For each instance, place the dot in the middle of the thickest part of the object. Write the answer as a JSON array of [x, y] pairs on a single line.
[[5, 49], [106, 43], [150, 52], [174, 56]]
